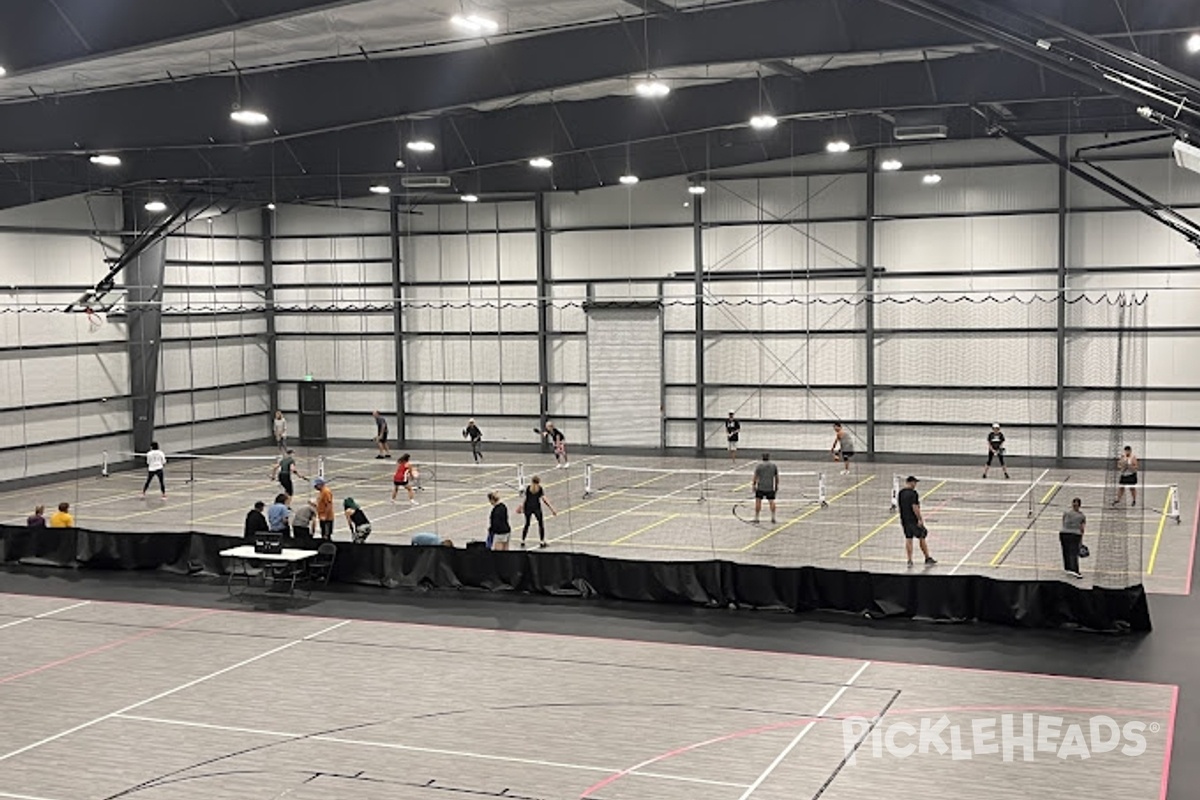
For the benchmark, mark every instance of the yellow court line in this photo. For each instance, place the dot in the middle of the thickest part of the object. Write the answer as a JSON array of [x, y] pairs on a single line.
[[1050, 493], [644, 529], [806, 514], [467, 510], [1004, 548], [1162, 522], [889, 521], [680, 547]]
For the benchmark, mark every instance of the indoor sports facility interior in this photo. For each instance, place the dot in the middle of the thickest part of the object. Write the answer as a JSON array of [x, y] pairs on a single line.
[[394, 393]]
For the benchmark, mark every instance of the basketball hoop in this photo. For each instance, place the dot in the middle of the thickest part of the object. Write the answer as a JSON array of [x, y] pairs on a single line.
[[95, 319]]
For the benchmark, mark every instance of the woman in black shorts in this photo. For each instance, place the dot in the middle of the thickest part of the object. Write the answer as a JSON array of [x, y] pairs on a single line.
[[534, 495]]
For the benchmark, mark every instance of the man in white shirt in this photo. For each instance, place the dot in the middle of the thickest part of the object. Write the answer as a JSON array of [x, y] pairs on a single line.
[[156, 463]]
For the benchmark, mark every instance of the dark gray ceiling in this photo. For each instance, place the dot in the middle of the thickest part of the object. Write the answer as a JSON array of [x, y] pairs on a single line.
[[337, 125]]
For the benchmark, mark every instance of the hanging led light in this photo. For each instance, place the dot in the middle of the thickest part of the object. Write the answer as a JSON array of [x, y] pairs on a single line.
[[105, 160], [248, 116], [156, 206], [838, 146]]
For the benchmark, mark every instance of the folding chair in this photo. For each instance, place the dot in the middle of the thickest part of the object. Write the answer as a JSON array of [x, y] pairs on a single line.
[[320, 566]]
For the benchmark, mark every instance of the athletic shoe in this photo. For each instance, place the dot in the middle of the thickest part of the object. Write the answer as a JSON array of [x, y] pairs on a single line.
[[772, 520], [522, 544], [1134, 503], [985, 476], [910, 563], [1074, 574], [541, 545], [413, 501], [930, 561], [756, 520], [566, 464], [1006, 477]]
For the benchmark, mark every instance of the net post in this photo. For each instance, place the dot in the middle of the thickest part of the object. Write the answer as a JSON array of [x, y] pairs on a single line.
[[520, 477], [104, 464], [1173, 511], [320, 466], [821, 495], [895, 491], [587, 480]]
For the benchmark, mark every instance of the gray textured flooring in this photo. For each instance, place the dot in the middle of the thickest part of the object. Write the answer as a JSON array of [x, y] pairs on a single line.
[[101, 700], [702, 510]]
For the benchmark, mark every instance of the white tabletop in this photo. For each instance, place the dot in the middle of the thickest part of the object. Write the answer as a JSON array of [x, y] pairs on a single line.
[[289, 554]]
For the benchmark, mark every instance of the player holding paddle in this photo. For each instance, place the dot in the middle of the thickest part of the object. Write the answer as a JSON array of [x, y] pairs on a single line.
[[556, 438], [995, 441]]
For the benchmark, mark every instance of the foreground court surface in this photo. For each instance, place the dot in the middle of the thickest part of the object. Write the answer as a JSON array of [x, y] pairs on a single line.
[[106, 700], [675, 508]]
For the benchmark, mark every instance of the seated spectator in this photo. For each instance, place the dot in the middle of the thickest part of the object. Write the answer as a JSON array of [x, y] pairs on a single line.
[[278, 513], [63, 517], [38, 518], [255, 521], [431, 539]]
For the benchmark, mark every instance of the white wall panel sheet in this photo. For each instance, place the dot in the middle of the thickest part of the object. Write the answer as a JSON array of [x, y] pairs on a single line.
[[484, 359], [681, 434], [973, 311], [1159, 177], [777, 360], [209, 249], [51, 260], [981, 360], [448, 432], [569, 401], [802, 197], [328, 359], [774, 247], [215, 433], [56, 458], [568, 359], [1100, 408], [214, 404], [654, 202], [970, 190], [963, 244], [34, 329], [484, 257], [1126, 238], [679, 359], [650, 253], [962, 441], [625, 376], [785, 403], [373, 323], [85, 212], [202, 363], [54, 376], [207, 326], [681, 403], [978, 408], [314, 221], [483, 400], [461, 216], [347, 296], [30, 427]]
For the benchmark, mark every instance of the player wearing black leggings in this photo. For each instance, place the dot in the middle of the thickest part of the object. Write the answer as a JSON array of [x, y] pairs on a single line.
[[534, 496]]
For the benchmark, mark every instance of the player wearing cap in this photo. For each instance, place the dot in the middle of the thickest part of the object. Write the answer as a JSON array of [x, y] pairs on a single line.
[[911, 520], [324, 508], [733, 429], [995, 441]]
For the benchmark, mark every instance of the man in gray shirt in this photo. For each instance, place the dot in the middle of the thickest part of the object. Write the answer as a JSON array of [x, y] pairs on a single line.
[[766, 483], [1070, 536]]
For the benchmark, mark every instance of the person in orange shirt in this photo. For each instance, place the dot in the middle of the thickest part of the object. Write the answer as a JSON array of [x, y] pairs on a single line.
[[324, 507], [63, 517]]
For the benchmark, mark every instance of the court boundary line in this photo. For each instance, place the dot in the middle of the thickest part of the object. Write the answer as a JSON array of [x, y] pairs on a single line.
[[333, 739], [1162, 524], [182, 687], [803, 732], [1000, 521], [44, 614], [808, 513], [1187, 589], [890, 520]]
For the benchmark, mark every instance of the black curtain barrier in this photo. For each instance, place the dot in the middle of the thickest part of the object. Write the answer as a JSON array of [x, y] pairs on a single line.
[[716, 584]]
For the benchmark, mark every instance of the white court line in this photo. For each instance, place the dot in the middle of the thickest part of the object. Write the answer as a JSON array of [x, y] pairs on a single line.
[[416, 749], [639, 506], [766, 773], [45, 614], [1000, 521], [169, 692], [21, 796]]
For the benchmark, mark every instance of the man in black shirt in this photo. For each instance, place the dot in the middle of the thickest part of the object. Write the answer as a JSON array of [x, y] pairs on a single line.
[[256, 521], [995, 440], [909, 503], [473, 433], [732, 429]]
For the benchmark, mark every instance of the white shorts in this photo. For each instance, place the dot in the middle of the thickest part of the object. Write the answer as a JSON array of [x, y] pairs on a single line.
[[733, 445], [500, 538]]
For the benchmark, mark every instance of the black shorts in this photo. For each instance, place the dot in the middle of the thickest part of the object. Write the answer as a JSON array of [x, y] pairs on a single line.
[[914, 530], [759, 494], [286, 482], [1128, 480], [847, 456], [383, 436], [399, 483]]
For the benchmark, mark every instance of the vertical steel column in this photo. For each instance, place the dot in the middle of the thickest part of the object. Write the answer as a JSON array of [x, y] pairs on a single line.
[[869, 291], [143, 281], [1060, 389], [268, 262], [698, 266], [398, 317], [543, 316]]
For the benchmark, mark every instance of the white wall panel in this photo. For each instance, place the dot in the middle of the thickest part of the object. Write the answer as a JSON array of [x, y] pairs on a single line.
[[48, 259], [215, 433], [931, 312], [34, 329], [483, 257], [62, 376], [979, 408], [485, 400], [66, 457], [621, 254], [679, 360], [34, 425], [347, 324], [214, 404], [961, 441], [999, 360], [329, 359], [813, 245], [655, 202], [802, 197], [313, 221], [1126, 238], [785, 360], [82, 212], [202, 326], [480, 216], [785, 403], [200, 248], [1158, 177], [448, 433], [959, 245], [483, 359], [969, 190], [568, 359]]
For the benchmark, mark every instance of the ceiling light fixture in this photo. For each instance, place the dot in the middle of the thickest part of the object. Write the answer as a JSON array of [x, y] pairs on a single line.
[[931, 179], [891, 165], [399, 163], [628, 180], [3, 72], [105, 160], [1193, 45], [380, 188], [763, 122], [652, 88], [156, 206], [541, 162], [697, 188], [270, 206], [421, 146], [838, 146], [469, 198], [475, 23], [248, 116]]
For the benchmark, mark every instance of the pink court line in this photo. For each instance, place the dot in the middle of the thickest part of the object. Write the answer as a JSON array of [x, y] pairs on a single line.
[[105, 647], [620, 640], [1187, 589], [798, 721], [1166, 770]]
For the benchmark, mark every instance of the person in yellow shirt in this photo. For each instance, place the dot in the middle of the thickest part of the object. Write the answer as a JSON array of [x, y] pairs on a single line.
[[63, 517]]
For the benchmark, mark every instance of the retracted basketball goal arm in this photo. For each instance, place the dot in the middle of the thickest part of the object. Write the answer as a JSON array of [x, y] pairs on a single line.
[[101, 296]]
